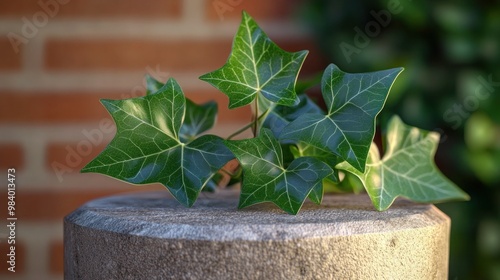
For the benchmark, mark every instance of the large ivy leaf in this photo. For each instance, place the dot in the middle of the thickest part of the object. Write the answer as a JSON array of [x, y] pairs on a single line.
[[257, 66], [265, 177], [147, 146], [407, 169], [353, 102]]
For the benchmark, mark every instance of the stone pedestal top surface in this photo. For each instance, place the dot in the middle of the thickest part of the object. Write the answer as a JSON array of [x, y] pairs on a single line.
[[343, 238], [216, 217]]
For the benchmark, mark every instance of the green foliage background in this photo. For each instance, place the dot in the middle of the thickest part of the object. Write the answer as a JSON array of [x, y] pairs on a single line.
[[449, 49]]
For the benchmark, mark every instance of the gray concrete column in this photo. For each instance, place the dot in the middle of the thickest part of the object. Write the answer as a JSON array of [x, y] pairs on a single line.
[[151, 236]]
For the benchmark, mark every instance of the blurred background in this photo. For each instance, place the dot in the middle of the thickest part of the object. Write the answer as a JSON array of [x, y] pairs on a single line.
[[59, 57]]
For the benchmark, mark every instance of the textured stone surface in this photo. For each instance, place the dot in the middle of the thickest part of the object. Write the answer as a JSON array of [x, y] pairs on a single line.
[[151, 236]]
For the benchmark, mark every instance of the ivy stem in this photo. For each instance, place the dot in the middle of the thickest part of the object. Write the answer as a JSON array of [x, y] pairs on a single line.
[[250, 125], [227, 172], [255, 118]]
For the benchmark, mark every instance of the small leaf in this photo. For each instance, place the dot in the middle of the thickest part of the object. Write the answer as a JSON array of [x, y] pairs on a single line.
[[305, 84], [282, 115], [147, 148], [198, 119], [266, 179], [152, 85], [303, 149], [353, 102], [257, 66], [349, 184], [407, 169]]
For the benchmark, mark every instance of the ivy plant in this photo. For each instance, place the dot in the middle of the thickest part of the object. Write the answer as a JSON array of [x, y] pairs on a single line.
[[299, 150]]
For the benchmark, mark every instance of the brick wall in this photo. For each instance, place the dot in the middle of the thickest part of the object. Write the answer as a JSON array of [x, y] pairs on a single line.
[[59, 57]]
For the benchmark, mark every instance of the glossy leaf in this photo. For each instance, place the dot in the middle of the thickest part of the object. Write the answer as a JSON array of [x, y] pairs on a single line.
[[147, 147], [158, 135], [349, 184], [266, 179], [407, 169], [152, 85], [303, 149], [257, 66], [281, 115], [198, 119], [353, 101]]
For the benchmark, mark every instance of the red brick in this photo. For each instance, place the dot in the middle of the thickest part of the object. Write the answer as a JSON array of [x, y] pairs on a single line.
[[56, 254], [225, 115], [258, 9], [85, 107], [76, 155], [129, 54], [11, 60], [94, 8], [49, 107], [315, 61], [55, 205], [73, 155], [20, 258], [174, 56], [11, 156]]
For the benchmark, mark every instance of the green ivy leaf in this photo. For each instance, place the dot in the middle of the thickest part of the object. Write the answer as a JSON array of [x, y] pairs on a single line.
[[198, 119], [152, 85], [353, 102], [265, 177], [257, 66], [147, 147], [407, 169], [349, 184], [303, 149], [281, 115]]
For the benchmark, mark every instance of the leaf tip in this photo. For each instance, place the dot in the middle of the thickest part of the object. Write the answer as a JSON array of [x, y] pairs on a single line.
[[205, 77], [466, 197], [463, 195], [302, 53], [105, 102], [150, 78], [381, 208], [171, 81], [293, 211], [242, 202], [85, 170], [332, 67], [88, 168]]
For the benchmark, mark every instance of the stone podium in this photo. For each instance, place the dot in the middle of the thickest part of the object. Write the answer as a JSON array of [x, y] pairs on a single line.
[[151, 236]]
